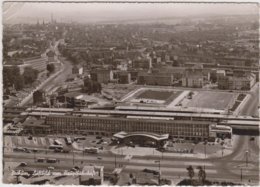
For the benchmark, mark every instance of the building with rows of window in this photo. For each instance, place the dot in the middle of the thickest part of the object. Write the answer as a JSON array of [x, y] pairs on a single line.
[[60, 124]]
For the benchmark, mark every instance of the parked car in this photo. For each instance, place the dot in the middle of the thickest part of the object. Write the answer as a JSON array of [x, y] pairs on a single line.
[[23, 164], [151, 171], [19, 149], [51, 168]]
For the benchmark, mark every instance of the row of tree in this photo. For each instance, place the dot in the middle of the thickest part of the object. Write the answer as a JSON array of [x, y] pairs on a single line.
[[12, 77], [201, 174]]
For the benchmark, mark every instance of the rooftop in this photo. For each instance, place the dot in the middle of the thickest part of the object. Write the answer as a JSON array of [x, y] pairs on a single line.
[[155, 136], [33, 122]]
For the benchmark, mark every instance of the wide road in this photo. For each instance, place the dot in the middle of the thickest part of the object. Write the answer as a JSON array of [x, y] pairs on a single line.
[[226, 168], [251, 106], [60, 79], [172, 167], [52, 82]]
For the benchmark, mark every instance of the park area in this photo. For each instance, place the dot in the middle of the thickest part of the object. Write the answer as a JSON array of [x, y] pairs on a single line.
[[158, 95], [211, 100], [154, 96]]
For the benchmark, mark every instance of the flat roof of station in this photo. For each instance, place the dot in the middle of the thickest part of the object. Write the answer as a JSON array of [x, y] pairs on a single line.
[[238, 122], [47, 111]]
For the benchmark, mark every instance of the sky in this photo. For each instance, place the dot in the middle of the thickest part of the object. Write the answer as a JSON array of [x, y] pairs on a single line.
[[89, 12]]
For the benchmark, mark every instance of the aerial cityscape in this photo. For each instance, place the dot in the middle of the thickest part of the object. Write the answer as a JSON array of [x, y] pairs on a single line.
[[115, 94]]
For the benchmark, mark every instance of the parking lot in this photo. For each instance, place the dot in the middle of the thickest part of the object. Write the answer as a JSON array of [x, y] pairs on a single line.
[[44, 143]]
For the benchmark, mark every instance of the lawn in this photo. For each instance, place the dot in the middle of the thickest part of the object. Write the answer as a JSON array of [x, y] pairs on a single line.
[[158, 95]]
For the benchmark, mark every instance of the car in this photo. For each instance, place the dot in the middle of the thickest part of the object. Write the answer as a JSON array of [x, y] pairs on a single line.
[[80, 138], [77, 167], [98, 137], [27, 150], [51, 168], [99, 158], [151, 171], [66, 151], [73, 169], [35, 150], [30, 138], [19, 149], [252, 138], [57, 150], [23, 164], [41, 159]]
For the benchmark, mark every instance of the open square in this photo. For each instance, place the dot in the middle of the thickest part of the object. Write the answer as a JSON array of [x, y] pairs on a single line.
[[212, 100]]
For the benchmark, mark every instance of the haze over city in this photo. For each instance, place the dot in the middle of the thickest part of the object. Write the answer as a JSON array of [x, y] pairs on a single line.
[[98, 12]]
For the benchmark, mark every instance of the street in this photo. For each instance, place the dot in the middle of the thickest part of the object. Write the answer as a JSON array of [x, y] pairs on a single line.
[[226, 168], [54, 80], [251, 107]]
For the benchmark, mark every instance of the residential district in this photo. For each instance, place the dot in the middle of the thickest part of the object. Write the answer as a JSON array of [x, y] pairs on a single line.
[[132, 104]]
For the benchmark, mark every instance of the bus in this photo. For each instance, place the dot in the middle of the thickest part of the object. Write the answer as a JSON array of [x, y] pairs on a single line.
[[51, 160], [55, 147], [68, 140], [93, 150]]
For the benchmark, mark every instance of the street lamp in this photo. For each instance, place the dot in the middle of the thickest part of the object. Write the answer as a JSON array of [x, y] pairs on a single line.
[[73, 159], [205, 151], [247, 158], [241, 174], [34, 156], [115, 160], [222, 150], [159, 165]]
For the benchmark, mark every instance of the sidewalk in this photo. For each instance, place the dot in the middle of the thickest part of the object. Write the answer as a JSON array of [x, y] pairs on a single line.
[[211, 151], [145, 151]]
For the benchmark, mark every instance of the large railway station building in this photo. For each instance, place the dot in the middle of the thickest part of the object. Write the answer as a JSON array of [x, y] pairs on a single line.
[[108, 126]]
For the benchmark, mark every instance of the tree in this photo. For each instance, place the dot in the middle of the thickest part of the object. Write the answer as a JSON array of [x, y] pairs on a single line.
[[96, 87], [30, 75], [201, 174], [190, 94], [50, 68], [12, 77], [190, 172], [88, 85], [91, 86]]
